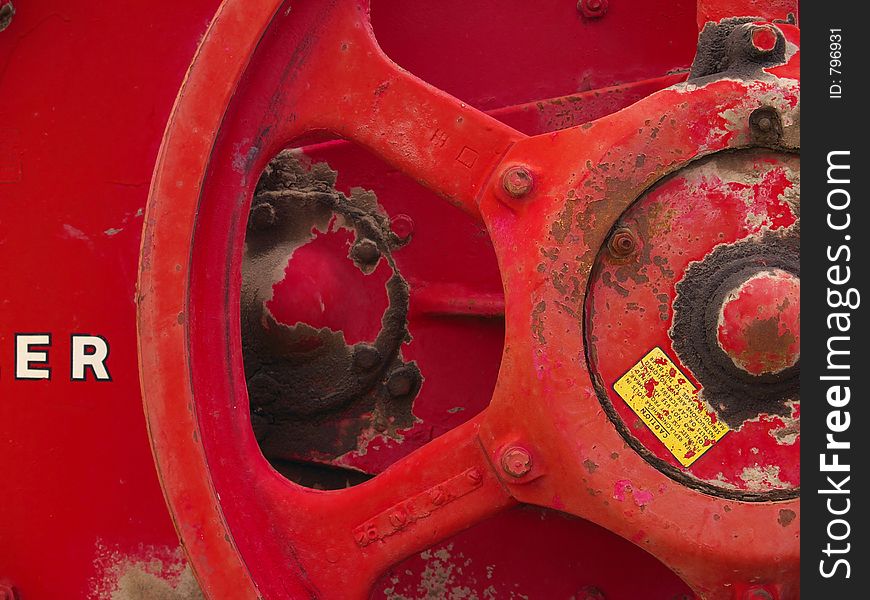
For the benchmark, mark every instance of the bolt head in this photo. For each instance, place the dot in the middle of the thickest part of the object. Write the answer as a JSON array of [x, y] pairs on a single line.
[[517, 182], [403, 381], [365, 252], [366, 356], [262, 217], [622, 243], [402, 227], [516, 461], [592, 9]]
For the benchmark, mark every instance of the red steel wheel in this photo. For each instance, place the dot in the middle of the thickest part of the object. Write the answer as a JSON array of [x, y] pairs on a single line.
[[549, 203]]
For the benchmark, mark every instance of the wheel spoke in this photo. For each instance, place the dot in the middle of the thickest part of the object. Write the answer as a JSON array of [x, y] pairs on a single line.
[[349, 86], [441, 489]]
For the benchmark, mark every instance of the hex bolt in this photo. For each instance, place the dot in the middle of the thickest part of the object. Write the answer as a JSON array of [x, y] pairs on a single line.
[[365, 252], [402, 227], [262, 216], [764, 39], [517, 182], [366, 356], [592, 9], [402, 381], [516, 461], [622, 243], [765, 125]]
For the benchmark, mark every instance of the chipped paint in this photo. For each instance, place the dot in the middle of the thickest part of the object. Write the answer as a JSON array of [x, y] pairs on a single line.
[[759, 479], [148, 573]]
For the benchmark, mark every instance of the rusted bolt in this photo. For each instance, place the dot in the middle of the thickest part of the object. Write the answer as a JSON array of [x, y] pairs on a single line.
[[765, 125], [365, 252], [7, 11], [366, 357], [757, 593], [622, 243], [516, 461], [590, 592], [517, 182], [592, 9], [402, 227], [764, 39], [403, 381], [262, 216]]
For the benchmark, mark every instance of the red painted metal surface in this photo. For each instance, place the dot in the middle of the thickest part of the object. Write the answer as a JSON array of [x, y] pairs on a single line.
[[86, 89], [87, 518], [544, 438]]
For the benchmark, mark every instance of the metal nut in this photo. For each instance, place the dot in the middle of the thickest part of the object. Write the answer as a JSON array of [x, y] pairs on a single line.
[[592, 9], [403, 381], [366, 357], [622, 243], [262, 217], [402, 227], [765, 125], [365, 252], [516, 461], [517, 182]]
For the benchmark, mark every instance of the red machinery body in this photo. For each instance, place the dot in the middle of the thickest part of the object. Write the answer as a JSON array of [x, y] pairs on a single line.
[[494, 347]]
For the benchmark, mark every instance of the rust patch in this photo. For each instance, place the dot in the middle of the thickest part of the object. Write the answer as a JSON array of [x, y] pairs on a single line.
[[149, 573], [438, 579], [759, 479], [314, 398], [786, 516]]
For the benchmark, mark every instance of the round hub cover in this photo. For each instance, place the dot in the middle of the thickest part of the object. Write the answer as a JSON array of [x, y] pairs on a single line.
[[693, 320]]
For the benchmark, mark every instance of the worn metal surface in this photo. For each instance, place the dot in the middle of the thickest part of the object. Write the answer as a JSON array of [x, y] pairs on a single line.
[[706, 237], [255, 533]]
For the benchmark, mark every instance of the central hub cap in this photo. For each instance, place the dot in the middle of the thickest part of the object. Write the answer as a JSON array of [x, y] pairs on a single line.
[[693, 320], [759, 323]]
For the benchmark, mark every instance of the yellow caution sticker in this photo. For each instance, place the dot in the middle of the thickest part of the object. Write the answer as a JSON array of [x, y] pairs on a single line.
[[668, 403]]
